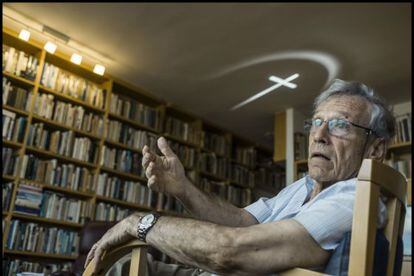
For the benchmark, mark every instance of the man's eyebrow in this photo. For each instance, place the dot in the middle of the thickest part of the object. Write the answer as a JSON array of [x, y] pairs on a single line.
[[340, 114]]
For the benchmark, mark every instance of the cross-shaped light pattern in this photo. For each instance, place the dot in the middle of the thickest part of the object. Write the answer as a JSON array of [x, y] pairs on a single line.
[[279, 82]]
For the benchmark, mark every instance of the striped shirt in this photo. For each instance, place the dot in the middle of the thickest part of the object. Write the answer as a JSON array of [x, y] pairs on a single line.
[[327, 217]]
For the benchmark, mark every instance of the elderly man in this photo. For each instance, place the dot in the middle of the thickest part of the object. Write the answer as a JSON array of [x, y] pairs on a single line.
[[299, 227]]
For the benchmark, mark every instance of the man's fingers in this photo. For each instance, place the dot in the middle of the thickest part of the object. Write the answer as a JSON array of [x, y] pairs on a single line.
[[97, 257], [145, 149], [147, 157], [164, 148], [150, 170], [90, 255], [152, 181]]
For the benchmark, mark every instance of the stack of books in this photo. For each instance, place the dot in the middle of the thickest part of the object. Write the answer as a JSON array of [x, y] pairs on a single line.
[[122, 160], [28, 199], [16, 266], [68, 84], [403, 131], [301, 145], [33, 237], [10, 159], [129, 136], [59, 207], [216, 143], [182, 130], [19, 63], [16, 97], [131, 109], [246, 156], [6, 196], [13, 126]]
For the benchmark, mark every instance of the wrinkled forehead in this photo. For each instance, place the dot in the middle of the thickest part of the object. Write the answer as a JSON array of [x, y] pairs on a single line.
[[354, 108]]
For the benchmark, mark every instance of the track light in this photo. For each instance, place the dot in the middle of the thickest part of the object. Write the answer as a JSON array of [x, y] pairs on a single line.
[[77, 59], [24, 35], [99, 69], [50, 47]]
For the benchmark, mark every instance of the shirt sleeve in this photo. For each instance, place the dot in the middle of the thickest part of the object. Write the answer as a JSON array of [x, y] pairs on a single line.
[[328, 219], [260, 209]]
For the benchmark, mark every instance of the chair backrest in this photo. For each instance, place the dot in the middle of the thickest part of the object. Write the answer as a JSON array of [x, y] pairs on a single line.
[[376, 178]]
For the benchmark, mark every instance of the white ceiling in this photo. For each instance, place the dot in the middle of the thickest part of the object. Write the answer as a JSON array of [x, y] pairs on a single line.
[[180, 51]]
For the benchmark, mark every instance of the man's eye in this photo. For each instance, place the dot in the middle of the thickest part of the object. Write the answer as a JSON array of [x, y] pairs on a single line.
[[317, 122], [341, 124]]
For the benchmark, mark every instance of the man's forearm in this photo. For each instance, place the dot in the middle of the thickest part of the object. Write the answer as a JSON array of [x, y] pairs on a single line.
[[209, 207], [191, 242]]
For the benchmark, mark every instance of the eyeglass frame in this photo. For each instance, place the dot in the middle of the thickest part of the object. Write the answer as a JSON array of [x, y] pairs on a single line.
[[368, 131]]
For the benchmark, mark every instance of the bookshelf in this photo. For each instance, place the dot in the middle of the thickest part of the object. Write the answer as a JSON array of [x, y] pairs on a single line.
[[98, 132]]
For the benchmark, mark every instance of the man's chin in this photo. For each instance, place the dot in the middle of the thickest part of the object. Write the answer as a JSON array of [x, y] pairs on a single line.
[[320, 176]]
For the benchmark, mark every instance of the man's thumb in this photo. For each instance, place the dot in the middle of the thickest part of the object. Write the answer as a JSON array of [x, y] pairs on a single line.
[[164, 148]]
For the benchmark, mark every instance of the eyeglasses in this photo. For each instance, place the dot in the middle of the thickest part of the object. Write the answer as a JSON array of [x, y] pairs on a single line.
[[336, 126]]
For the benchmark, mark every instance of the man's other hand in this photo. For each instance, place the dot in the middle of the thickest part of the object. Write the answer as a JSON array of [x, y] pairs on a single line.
[[123, 231], [165, 173]]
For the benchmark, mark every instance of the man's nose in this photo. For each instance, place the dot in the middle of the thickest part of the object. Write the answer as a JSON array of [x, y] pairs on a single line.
[[321, 134]]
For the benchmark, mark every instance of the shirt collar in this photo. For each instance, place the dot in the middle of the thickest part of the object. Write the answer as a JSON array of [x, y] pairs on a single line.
[[309, 183]]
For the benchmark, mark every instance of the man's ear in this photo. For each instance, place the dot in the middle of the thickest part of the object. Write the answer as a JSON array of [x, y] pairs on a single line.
[[377, 149]]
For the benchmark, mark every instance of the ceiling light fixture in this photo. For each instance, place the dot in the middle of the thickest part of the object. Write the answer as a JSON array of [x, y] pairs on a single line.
[[50, 47], [77, 59], [65, 43], [24, 35], [279, 82], [99, 69]]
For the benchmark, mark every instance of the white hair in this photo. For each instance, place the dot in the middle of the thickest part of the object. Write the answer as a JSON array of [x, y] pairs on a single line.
[[382, 121]]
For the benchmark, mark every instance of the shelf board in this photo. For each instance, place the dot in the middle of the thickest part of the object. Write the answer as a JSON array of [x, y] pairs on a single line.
[[399, 145], [60, 157], [132, 122], [301, 162], [59, 189], [217, 154], [232, 182], [122, 146], [249, 167], [9, 177], [124, 175], [46, 220], [60, 126], [179, 140], [269, 189], [18, 79], [40, 255], [61, 96], [5, 213], [12, 144], [212, 176], [15, 110], [123, 203]]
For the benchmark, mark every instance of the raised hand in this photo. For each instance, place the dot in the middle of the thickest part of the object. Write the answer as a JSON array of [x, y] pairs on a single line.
[[165, 173]]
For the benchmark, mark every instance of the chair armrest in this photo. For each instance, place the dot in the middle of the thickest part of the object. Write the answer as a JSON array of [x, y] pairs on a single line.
[[138, 259]]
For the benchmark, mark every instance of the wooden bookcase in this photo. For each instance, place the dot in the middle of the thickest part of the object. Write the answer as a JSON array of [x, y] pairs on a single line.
[[112, 87]]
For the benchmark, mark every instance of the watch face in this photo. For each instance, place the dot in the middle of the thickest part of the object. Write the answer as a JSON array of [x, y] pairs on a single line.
[[148, 219]]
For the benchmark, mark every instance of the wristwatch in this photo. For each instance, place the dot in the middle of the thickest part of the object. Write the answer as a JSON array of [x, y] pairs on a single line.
[[145, 224]]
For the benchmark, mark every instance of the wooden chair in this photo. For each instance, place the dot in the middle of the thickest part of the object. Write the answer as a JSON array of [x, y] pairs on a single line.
[[374, 178]]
